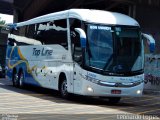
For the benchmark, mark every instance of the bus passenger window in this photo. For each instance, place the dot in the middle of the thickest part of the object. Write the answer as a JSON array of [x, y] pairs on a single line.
[[53, 33]]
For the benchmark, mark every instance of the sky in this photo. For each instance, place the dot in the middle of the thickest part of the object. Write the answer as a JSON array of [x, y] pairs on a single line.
[[7, 18]]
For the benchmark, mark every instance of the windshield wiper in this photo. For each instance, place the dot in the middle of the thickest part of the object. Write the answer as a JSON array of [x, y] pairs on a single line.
[[138, 71], [89, 52], [130, 73], [108, 61]]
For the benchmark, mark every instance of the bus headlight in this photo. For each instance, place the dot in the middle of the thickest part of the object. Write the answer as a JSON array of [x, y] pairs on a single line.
[[90, 89], [138, 91]]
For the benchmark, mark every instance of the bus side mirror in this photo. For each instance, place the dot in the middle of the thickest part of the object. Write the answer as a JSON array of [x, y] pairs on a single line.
[[82, 37], [150, 41]]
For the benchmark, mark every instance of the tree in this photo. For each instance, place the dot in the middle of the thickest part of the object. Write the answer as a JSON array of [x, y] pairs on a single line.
[[2, 22]]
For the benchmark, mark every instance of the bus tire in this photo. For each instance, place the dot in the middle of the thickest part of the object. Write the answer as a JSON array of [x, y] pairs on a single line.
[[21, 79], [114, 100], [15, 79], [63, 88]]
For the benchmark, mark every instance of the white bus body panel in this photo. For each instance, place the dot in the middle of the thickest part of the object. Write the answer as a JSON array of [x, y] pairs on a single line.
[[81, 84], [93, 16], [46, 67]]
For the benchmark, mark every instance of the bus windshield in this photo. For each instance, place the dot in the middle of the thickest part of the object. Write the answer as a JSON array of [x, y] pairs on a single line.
[[114, 49]]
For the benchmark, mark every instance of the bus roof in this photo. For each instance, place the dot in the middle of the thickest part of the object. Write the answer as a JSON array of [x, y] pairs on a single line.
[[88, 15]]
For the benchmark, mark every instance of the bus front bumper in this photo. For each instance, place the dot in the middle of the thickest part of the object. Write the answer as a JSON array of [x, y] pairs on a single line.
[[92, 89]]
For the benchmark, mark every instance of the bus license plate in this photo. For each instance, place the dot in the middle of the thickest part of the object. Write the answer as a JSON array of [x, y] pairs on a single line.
[[116, 91]]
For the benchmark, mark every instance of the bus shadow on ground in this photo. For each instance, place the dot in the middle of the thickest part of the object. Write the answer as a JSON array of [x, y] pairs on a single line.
[[54, 96]]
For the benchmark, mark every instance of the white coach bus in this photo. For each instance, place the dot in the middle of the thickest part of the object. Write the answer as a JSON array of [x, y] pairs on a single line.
[[79, 51]]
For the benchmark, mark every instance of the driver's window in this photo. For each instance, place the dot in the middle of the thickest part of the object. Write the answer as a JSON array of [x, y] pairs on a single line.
[[75, 40]]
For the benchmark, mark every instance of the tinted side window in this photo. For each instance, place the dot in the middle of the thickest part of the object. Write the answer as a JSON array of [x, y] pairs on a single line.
[[54, 32], [74, 23], [11, 40], [24, 35], [75, 40], [30, 31]]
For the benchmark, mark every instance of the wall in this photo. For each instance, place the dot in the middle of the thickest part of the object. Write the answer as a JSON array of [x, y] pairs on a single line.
[[152, 72]]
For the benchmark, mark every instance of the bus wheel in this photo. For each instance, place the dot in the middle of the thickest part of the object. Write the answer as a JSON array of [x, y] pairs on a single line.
[[63, 89], [114, 100], [15, 79], [21, 79]]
